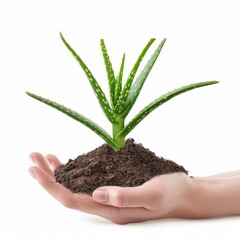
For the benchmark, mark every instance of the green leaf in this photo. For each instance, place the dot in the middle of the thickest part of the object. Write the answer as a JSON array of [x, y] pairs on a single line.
[[110, 72], [94, 84], [118, 89], [80, 118], [138, 84], [121, 104], [159, 101]]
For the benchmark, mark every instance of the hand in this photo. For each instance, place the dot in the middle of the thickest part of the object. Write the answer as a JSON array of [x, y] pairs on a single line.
[[173, 195], [164, 196]]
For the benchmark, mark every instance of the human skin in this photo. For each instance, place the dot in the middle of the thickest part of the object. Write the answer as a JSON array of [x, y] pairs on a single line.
[[173, 195]]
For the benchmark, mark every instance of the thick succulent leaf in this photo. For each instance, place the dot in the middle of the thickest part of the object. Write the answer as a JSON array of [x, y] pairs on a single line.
[[120, 107], [118, 89], [110, 72], [138, 83], [159, 101], [80, 118], [95, 86]]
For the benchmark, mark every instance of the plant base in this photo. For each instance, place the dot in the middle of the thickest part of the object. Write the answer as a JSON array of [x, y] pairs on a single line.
[[129, 167]]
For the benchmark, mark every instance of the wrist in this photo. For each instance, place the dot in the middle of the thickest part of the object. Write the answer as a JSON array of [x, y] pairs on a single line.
[[194, 198], [198, 197], [186, 198]]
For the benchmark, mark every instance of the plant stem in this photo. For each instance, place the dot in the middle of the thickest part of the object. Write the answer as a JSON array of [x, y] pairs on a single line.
[[116, 129]]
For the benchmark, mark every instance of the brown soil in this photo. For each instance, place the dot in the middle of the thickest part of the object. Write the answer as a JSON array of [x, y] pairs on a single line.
[[129, 167]]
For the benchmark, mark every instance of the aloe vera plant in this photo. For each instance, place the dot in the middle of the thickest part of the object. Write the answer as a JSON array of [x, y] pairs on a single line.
[[122, 96]]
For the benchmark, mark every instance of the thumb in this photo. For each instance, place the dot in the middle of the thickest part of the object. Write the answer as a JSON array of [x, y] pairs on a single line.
[[122, 197]]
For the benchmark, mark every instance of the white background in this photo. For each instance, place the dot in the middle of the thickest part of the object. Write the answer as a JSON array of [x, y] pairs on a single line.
[[199, 129]]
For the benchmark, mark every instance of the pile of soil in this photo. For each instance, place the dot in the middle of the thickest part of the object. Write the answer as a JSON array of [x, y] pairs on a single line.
[[130, 166]]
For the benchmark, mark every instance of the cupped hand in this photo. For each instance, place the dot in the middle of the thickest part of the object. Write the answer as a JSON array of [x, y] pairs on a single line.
[[165, 196]]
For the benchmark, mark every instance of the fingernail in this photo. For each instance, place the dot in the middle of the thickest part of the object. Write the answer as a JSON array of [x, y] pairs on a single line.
[[100, 195], [32, 173]]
